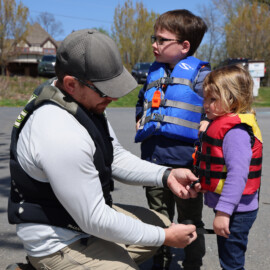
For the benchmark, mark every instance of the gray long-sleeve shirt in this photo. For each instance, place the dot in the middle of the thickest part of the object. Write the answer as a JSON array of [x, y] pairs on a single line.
[[53, 147]]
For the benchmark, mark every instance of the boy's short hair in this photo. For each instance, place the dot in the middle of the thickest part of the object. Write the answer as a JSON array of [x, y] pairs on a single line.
[[185, 25]]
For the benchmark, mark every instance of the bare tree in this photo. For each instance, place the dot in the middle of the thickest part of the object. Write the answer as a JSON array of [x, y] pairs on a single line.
[[248, 33], [215, 36], [13, 28], [48, 22]]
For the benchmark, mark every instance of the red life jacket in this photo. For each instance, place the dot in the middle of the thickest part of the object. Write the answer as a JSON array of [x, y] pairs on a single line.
[[212, 169]]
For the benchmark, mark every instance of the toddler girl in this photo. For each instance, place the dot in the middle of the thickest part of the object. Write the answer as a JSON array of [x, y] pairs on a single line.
[[230, 161]]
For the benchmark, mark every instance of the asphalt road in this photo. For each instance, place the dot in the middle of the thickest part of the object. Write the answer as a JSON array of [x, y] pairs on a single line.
[[258, 254]]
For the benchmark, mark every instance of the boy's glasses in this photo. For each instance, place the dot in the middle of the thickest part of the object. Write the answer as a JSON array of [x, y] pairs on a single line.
[[160, 40], [91, 86]]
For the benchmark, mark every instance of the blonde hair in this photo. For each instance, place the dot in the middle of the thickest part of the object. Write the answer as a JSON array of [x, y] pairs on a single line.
[[233, 86]]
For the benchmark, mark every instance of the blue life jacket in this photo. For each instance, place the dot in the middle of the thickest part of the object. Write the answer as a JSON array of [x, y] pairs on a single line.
[[37, 199], [171, 107]]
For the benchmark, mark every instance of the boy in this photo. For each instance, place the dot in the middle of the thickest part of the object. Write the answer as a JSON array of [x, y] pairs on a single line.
[[168, 115]]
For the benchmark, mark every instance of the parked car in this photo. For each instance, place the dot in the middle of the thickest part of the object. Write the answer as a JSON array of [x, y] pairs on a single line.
[[46, 66], [233, 61], [140, 71]]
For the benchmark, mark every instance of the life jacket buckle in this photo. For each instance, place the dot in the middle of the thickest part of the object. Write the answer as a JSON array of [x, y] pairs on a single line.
[[166, 80], [157, 117]]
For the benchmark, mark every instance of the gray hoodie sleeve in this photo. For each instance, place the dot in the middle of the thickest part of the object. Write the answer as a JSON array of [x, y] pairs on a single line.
[[129, 169]]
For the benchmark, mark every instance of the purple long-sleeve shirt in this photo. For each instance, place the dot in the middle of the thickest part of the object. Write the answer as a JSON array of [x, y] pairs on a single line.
[[237, 154]]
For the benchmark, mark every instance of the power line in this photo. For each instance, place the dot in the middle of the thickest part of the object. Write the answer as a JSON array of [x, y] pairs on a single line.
[[73, 17]]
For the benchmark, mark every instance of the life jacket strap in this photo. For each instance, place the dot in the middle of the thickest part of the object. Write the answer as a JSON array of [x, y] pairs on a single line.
[[211, 174], [208, 166], [49, 92], [223, 175], [177, 104], [256, 161], [170, 119], [213, 160], [169, 80], [221, 161], [254, 174], [212, 141]]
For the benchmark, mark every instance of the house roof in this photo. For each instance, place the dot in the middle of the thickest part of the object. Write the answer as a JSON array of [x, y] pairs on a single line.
[[37, 35]]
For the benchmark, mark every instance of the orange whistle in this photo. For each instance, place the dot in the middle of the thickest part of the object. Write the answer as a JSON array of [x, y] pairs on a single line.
[[194, 156], [156, 99]]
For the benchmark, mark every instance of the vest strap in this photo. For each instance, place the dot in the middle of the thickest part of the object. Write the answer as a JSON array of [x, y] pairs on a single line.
[[49, 92], [212, 141], [170, 119], [208, 166], [256, 161], [169, 80], [213, 160], [223, 175], [177, 104], [183, 105], [212, 174], [221, 161], [254, 174]]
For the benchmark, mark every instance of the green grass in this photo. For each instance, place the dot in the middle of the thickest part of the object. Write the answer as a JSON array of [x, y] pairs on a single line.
[[129, 100], [15, 92], [12, 103], [263, 99]]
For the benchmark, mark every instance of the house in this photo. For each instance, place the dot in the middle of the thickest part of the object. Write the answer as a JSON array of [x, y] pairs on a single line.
[[30, 51]]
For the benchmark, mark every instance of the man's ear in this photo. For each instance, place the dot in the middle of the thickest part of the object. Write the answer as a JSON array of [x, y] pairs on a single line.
[[70, 84], [186, 46]]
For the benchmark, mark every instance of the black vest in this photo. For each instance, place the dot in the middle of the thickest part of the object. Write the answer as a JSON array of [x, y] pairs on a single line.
[[32, 201]]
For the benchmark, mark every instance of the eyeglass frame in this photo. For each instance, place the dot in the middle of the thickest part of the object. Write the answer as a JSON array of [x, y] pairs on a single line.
[[91, 86], [161, 39]]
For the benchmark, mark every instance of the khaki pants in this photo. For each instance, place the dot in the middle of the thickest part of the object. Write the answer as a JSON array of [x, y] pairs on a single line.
[[96, 253]]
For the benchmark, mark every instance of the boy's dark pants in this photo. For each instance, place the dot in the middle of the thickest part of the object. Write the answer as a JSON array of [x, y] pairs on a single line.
[[163, 200]]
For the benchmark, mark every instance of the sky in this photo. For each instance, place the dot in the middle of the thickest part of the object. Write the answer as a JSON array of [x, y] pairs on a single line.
[[81, 14]]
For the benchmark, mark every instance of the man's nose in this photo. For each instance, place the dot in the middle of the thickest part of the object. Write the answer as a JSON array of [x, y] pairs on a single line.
[[111, 98]]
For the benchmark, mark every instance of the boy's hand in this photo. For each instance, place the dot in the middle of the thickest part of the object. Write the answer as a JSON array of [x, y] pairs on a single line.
[[221, 224], [180, 235], [138, 124], [203, 126], [179, 181]]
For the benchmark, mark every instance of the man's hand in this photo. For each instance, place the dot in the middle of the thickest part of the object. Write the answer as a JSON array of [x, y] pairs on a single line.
[[179, 181], [221, 224], [180, 235]]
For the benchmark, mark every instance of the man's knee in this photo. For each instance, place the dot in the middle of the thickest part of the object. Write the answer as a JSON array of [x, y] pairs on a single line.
[[144, 214]]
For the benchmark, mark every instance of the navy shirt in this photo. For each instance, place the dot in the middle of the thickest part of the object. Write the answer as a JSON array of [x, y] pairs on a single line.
[[163, 150]]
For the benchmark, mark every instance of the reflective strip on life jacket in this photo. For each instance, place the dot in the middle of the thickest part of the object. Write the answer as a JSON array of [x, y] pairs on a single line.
[[169, 80]]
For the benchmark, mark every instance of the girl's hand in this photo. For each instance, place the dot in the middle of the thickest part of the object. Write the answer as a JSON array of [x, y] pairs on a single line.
[[221, 224]]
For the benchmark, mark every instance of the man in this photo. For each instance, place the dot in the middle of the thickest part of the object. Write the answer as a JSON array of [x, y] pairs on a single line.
[[64, 155]]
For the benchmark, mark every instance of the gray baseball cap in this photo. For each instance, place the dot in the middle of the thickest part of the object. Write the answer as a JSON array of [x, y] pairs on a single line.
[[92, 56]]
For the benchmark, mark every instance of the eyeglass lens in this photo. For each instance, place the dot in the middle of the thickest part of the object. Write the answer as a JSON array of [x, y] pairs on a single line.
[[160, 40], [92, 87]]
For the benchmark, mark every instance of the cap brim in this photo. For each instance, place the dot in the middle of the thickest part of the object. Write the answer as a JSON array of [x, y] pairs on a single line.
[[118, 86]]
